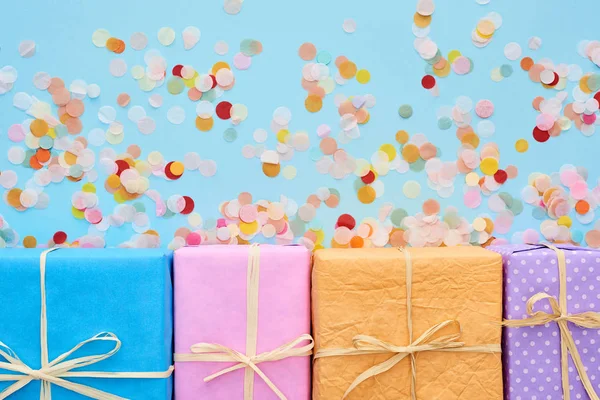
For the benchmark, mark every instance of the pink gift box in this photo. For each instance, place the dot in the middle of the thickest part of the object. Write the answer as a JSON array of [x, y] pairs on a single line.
[[210, 307]]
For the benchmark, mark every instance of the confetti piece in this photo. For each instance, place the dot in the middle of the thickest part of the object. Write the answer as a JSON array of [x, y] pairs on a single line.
[[349, 25], [27, 48]]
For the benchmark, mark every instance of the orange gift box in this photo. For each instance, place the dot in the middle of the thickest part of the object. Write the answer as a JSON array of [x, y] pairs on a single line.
[[407, 323]]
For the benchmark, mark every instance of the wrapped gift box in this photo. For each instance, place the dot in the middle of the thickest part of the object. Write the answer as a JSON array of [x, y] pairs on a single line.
[[126, 292], [532, 354], [211, 307], [364, 292]]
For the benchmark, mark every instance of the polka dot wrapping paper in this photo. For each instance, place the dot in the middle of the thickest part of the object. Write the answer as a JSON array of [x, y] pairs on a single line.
[[532, 366]]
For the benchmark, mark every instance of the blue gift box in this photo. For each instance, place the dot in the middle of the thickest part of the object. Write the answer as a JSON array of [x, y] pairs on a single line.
[[127, 292]]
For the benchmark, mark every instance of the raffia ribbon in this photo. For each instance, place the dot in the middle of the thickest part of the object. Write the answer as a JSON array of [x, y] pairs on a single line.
[[559, 315], [210, 352], [55, 371], [364, 344]]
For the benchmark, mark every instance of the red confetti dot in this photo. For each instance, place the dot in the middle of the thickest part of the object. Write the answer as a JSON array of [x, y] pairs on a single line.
[[540, 135], [122, 165], [223, 110], [428, 81], [500, 176], [189, 205], [597, 96], [214, 78], [59, 237], [177, 70], [368, 178], [555, 81], [346, 220]]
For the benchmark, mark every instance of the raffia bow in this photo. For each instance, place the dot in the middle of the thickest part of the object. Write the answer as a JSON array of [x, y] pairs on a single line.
[[210, 352], [559, 315], [55, 371], [428, 341]]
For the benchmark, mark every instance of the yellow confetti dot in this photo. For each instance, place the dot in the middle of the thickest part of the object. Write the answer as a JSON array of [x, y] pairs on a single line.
[[177, 168], [565, 220], [521, 145], [389, 149], [347, 69], [410, 153], [77, 213], [51, 133], [283, 136], [453, 55], [313, 103], [366, 194], [204, 125], [320, 233], [248, 229], [489, 166], [472, 179], [29, 242], [363, 76], [219, 65], [402, 137], [89, 188]]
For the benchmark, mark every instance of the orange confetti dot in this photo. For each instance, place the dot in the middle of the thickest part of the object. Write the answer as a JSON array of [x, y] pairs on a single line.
[[332, 201], [113, 181], [410, 153], [29, 242], [582, 207], [123, 99], [366, 194], [307, 51], [55, 84], [422, 21], [34, 163], [313, 103], [471, 138], [204, 124], [431, 207], [74, 126], [115, 45], [61, 96], [526, 63], [402, 137], [357, 242], [397, 238], [328, 145], [339, 60], [347, 69], [13, 197], [75, 108], [271, 170], [43, 155], [38, 127]]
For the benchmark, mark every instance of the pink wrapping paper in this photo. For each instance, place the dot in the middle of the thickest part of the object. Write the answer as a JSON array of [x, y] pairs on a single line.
[[210, 307]]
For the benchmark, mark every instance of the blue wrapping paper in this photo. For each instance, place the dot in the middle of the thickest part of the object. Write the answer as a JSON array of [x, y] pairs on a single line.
[[124, 291]]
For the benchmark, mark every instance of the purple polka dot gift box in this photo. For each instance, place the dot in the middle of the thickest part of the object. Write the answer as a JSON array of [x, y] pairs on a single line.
[[551, 342]]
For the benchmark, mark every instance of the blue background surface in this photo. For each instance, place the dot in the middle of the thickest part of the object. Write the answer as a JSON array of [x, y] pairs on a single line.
[[382, 43]]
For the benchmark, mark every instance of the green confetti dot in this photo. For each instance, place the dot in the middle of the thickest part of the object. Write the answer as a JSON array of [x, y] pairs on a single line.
[[324, 57], [139, 207], [335, 192], [418, 165], [405, 111], [230, 135], [358, 183], [75, 171], [298, 227], [175, 85], [539, 213], [46, 142], [516, 207], [211, 95], [506, 70], [61, 130], [444, 123], [250, 47], [506, 198], [397, 216], [472, 65], [593, 82]]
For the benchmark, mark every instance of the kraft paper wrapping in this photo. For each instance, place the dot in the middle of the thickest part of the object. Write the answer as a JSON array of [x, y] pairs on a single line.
[[363, 292]]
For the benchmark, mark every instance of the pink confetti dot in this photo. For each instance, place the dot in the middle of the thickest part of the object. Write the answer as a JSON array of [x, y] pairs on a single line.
[[579, 190], [221, 223], [461, 65], [484, 108], [194, 239], [544, 122], [472, 198], [589, 119], [16, 133], [531, 236]]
